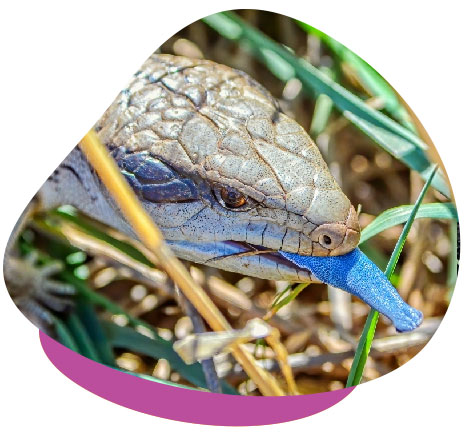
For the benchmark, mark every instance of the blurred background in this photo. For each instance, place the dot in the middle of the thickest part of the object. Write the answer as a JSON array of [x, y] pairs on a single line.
[[127, 317]]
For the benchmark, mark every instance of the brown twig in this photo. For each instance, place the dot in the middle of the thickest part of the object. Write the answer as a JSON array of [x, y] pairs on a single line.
[[281, 354], [382, 347]]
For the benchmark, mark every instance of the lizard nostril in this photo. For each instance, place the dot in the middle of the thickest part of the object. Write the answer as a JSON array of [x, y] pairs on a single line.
[[329, 236], [326, 241]]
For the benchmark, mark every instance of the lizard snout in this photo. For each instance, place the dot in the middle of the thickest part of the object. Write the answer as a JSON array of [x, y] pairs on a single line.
[[334, 239]]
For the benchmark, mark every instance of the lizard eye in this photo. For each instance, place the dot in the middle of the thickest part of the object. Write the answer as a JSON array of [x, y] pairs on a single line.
[[232, 197]]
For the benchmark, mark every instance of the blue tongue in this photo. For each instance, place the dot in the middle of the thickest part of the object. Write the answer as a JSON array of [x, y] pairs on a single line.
[[358, 275]]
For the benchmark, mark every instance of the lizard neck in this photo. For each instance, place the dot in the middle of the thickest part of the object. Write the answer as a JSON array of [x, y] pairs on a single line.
[[75, 183]]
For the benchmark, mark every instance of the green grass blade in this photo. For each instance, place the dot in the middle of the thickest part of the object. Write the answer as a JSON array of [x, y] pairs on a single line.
[[363, 348], [133, 340], [70, 214], [453, 261], [365, 342], [368, 76], [61, 248], [281, 301], [163, 348], [316, 81], [86, 313], [400, 214], [413, 157], [322, 110], [64, 336], [130, 339], [308, 74], [100, 300], [155, 380], [374, 254], [281, 295], [82, 339]]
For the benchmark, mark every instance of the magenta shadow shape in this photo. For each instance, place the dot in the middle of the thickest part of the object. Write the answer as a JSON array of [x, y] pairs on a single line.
[[184, 405]]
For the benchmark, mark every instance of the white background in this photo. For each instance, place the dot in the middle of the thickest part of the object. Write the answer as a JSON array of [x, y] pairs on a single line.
[[63, 63]]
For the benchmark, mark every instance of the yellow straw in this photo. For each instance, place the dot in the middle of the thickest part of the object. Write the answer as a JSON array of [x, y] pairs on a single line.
[[152, 238]]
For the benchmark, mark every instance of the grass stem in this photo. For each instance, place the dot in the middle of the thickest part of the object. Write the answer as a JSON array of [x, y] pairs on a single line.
[[152, 238]]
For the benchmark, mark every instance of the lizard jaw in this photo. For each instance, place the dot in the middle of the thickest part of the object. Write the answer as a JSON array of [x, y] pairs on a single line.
[[235, 257]]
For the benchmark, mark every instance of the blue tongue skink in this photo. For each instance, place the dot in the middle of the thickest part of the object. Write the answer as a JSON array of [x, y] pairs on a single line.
[[355, 273]]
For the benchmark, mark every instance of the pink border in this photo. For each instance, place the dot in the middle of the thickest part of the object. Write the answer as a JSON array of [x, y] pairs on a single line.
[[183, 404]]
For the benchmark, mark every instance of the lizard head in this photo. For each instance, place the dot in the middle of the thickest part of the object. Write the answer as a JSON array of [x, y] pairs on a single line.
[[227, 177]]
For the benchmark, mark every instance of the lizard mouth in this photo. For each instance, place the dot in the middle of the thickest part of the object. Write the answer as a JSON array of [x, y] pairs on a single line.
[[243, 258]]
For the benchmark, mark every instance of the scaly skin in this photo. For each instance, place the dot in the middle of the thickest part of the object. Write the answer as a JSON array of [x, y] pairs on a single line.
[[181, 132], [186, 134]]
